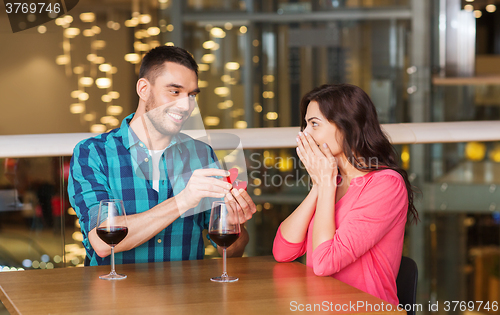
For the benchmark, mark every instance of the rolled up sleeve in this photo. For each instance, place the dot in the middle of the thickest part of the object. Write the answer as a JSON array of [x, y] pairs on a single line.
[[284, 251]]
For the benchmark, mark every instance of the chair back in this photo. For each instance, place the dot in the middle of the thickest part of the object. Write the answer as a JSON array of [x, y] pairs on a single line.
[[406, 283]]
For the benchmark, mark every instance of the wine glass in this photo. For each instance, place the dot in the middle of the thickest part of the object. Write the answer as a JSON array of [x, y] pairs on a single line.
[[224, 230], [112, 229]]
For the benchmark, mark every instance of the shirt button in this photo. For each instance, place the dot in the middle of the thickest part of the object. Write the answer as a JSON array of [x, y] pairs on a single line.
[[146, 160], [159, 241], [142, 145]]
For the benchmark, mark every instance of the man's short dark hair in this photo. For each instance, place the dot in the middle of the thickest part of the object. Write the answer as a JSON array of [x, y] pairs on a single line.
[[154, 60]]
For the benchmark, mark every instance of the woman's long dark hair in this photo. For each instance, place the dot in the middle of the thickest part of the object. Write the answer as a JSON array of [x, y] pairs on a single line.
[[353, 113]]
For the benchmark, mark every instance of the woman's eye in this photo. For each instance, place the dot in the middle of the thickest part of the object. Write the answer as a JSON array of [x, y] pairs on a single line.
[[314, 124]]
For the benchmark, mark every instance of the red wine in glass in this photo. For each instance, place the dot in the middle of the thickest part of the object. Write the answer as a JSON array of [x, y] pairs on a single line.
[[224, 230], [112, 229], [224, 239], [113, 235]]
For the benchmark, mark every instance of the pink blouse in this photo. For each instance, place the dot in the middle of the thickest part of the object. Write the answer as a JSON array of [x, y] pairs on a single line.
[[366, 249]]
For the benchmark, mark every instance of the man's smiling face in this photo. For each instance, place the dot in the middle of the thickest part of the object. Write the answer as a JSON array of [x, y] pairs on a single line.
[[172, 98]]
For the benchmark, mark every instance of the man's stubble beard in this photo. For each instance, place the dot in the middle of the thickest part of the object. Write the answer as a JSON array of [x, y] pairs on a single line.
[[157, 118]]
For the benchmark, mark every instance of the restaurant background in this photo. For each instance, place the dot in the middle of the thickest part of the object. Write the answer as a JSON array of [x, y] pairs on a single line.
[[257, 58]]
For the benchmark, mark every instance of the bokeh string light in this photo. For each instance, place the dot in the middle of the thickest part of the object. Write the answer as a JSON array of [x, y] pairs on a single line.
[[92, 70]]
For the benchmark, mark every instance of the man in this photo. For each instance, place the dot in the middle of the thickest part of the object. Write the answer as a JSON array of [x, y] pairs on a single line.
[[160, 174]]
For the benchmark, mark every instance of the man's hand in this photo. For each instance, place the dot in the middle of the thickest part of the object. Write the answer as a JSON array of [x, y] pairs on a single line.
[[240, 202], [201, 185]]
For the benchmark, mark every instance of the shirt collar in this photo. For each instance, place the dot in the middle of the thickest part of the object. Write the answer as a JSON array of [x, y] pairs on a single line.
[[130, 138]]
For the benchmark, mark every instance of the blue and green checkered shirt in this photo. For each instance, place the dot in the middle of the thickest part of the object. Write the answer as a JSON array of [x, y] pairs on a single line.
[[117, 165]]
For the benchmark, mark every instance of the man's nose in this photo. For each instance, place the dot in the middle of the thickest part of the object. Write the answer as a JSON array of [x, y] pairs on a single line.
[[183, 104]]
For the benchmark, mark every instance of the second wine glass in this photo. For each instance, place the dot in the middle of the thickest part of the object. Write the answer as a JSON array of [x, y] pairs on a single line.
[[112, 229], [224, 230]]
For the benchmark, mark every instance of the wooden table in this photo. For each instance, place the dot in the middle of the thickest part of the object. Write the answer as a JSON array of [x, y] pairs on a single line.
[[265, 287]]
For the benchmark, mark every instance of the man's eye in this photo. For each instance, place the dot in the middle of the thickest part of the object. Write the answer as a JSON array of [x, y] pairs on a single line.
[[192, 96], [174, 92]]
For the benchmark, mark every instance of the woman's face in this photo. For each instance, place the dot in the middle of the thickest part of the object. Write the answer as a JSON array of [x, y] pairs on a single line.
[[322, 130]]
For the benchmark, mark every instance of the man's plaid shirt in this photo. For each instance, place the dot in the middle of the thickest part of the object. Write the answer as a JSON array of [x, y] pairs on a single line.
[[117, 165]]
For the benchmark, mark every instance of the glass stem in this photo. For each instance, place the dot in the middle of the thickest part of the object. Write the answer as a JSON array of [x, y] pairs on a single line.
[[113, 260], [224, 273]]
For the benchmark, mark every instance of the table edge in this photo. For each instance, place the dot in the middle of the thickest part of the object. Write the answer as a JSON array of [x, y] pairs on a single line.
[[11, 308]]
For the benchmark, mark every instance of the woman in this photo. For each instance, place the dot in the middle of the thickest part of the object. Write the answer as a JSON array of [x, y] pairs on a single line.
[[352, 222]]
